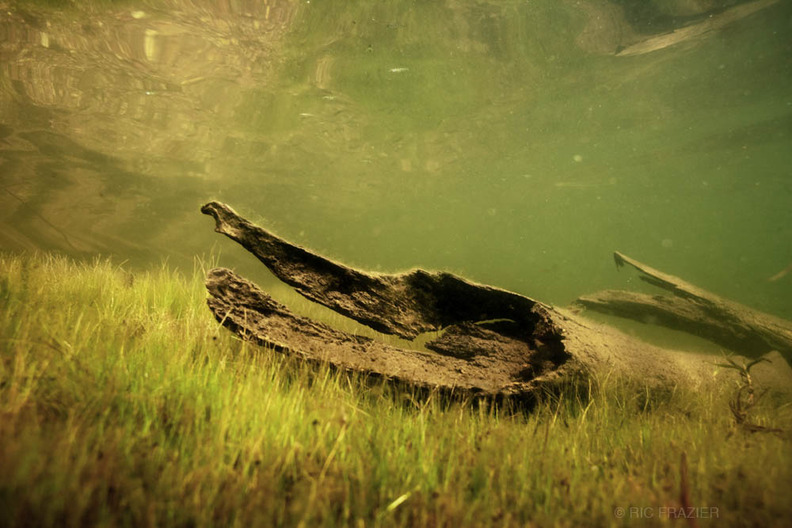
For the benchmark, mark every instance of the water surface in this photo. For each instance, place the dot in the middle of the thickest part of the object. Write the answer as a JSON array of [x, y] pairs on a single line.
[[509, 142]]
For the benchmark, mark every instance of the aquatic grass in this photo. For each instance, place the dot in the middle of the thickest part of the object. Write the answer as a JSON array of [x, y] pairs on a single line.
[[123, 403]]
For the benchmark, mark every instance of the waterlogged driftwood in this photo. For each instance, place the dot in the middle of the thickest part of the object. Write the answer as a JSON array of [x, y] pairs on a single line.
[[474, 358], [712, 22], [513, 343], [492, 342], [405, 305], [695, 311]]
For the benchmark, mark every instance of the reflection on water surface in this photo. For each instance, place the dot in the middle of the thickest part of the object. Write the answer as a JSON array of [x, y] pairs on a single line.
[[512, 142]]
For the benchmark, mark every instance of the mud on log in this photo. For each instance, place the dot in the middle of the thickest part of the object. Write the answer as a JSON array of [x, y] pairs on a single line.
[[493, 342]]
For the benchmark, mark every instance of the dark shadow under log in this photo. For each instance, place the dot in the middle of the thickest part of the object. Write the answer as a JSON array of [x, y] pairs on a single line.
[[493, 342]]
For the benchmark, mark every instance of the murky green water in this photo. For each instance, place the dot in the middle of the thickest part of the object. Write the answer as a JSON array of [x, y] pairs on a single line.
[[505, 141]]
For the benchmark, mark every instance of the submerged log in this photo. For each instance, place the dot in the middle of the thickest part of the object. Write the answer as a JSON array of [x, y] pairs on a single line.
[[695, 311], [492, 342], [781, 274], [711, 22]]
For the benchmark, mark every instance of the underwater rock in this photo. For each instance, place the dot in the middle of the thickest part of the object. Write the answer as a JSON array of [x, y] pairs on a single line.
[[492, 342]]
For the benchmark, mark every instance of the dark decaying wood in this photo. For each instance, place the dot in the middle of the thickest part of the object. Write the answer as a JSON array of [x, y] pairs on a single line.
[[492, 342], [469, 358], [405, 305]]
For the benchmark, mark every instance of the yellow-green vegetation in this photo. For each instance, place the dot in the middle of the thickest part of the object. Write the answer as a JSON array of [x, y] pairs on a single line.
[[123, 403]]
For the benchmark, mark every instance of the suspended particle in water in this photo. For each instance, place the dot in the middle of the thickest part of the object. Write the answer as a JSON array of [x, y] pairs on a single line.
[[667, 243], [577, 158]]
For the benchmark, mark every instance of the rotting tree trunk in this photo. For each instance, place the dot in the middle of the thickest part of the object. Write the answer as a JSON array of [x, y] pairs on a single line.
[[493, 342]]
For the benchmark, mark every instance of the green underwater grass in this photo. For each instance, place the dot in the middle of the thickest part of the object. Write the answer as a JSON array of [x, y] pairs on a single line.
[[123, 403]]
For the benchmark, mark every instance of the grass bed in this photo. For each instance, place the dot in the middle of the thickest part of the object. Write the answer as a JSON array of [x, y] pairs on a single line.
[[123, 403]]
